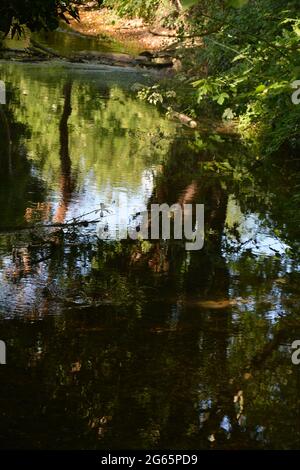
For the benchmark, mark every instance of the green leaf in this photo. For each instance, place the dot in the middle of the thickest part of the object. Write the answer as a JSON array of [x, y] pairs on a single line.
[[188, 3], [237, 3], [260, 88], [221, 98], [228, 114]]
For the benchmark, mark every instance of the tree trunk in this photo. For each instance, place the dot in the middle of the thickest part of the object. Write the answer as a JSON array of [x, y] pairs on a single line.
[[177, 4]]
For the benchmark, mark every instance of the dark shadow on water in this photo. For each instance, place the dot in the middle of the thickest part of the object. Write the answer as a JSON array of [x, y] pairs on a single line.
[[123, 344]]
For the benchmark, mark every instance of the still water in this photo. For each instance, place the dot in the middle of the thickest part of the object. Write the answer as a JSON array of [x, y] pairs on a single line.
[[124, 344], [66, 42]]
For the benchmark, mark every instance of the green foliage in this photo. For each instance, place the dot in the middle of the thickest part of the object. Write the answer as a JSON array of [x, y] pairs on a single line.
[[242, 59], [35, 14], [252, 60], [131, 8], [237, 3], [188, 3], [155, 95], [121, 141]]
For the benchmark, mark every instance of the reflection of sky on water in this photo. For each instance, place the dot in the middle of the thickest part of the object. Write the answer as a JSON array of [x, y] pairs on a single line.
[[120, 202], [254, 233], [27, 293], [110, 163], [257, 238], [225, 424]]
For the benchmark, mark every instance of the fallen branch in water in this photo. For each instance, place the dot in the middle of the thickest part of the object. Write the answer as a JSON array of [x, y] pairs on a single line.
[[83, 223], [44, 49], [75, 222], [184, 119]]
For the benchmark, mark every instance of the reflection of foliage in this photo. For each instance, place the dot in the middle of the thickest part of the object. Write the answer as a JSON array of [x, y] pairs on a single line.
[[268, 188], [133, 354], [16, 180], [117, 133], [148, 370]]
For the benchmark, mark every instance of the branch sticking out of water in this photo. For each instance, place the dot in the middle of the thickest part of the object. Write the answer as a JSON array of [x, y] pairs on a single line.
[[83, 223]]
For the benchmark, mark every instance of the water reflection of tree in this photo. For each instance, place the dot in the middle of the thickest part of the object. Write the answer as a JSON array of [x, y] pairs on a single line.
[[163, 390], [136, 360], [7, 138], [206, 276], [67, 184], [17, 184]]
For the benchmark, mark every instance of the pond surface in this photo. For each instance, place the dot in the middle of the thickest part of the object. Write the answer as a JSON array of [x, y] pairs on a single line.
[[123, 344], [67, 42]]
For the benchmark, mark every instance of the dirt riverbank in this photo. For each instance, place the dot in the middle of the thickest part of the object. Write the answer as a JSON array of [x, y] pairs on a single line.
[[135, 33]]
